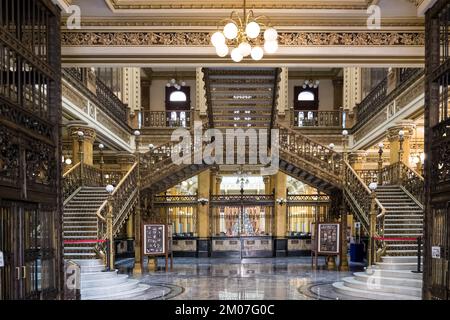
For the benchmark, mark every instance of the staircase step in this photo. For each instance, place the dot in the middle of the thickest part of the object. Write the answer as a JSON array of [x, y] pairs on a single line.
[[394, 273], [389, 289], [378, 279], [104, 282], [140, 290], [402, 259], [110, 289], [368, 294], [397, 266]]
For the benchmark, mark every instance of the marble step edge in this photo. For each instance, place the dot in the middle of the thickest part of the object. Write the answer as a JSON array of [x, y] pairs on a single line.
[[340, 287]]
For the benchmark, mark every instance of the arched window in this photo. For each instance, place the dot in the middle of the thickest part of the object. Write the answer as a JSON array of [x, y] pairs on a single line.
[[177, 96], [306, 96], [178, 105]]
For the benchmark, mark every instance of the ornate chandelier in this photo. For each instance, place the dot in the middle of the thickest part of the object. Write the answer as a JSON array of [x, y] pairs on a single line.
[[242, 33]]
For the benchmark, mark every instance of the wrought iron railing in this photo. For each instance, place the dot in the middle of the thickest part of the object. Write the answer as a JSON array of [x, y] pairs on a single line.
[[378, 98], [310, 118], [299, 148], [396, 174], [157, 162], [307, 198], [236, 199], [164, 119], [84, 175], [103, 97], [369, 210], [177, 200], [71, 180], [123, 200]]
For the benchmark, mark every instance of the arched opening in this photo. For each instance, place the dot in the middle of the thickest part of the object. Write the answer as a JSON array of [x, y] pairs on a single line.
[[306, 96], [178, 96]]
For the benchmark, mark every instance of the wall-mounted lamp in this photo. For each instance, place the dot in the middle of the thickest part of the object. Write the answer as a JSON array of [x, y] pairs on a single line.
[[203, 201]]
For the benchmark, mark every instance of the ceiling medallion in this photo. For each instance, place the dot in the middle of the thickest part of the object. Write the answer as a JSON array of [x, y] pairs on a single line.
[[240, 33]]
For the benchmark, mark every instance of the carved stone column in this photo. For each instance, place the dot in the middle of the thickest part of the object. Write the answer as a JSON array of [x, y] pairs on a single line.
[[394, 140], [357, 159], [87, 144]]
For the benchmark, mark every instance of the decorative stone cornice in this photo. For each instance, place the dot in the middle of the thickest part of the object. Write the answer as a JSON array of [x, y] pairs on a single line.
[[406, 125], [133, 5], [200, 39]]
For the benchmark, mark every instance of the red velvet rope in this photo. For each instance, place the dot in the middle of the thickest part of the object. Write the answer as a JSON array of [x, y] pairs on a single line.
[[395, 239], [84, 241]]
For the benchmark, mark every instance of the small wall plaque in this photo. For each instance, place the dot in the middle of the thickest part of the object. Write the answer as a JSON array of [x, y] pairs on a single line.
[[436, 252]]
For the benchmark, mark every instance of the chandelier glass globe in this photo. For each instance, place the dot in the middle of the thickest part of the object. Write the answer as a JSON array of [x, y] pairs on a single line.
[[270, 34], [245, 48], [218, 39], [252, 30], [222, 50], [270, 46], [257, 53], [236, 55], [230, 30], [242, 32]]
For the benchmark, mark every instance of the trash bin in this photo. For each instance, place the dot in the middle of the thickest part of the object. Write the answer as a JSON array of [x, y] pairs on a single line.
[[357, 252]]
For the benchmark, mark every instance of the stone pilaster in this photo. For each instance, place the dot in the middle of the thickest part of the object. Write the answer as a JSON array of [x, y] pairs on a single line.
[[357, 159], [394, 140], [87, 143]]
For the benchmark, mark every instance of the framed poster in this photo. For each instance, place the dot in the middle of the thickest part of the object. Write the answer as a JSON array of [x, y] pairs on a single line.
[[328, 238], [154, 239]]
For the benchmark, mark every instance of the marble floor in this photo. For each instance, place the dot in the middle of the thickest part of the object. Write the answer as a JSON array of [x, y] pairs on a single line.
[[247, 279]]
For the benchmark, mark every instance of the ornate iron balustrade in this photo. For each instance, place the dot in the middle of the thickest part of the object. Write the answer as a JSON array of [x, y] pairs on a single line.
[[368, 175], [323, 160], [123, 200], [86, 175], [369, 210], [440, 167], [175, 201], [396, 174], [162, 119], [296, 199], [71, 180], [103, 97], [378, 98], [322, 119], [157, 163], [245, 199]]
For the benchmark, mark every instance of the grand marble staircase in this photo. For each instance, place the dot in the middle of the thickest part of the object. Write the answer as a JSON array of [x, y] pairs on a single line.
[[392, 278]]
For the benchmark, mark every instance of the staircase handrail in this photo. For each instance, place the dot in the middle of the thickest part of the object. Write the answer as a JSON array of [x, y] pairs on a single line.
[[359, 196], [309, 150], [124, 194], [71, 180]]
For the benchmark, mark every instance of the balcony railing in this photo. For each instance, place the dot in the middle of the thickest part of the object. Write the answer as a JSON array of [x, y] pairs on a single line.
[[309, 118], [166, 119], [98, 93], [378, 98]]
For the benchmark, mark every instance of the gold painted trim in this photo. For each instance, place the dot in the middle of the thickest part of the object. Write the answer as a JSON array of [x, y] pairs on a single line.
[[202, 39], [121, 6]]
